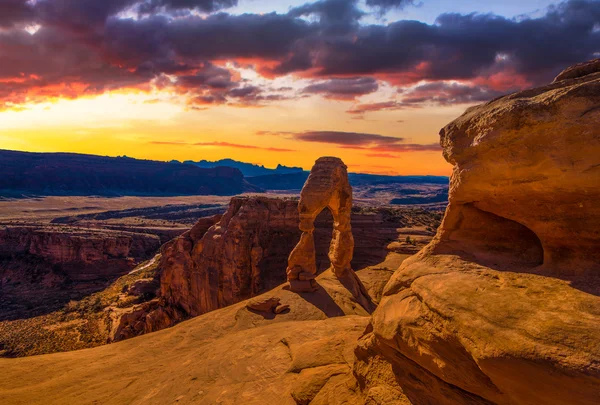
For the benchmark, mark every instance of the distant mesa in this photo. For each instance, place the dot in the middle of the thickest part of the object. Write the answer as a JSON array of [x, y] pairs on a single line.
[[25, 173]]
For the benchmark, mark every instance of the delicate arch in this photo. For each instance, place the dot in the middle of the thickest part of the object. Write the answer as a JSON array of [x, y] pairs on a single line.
[[326, 187]]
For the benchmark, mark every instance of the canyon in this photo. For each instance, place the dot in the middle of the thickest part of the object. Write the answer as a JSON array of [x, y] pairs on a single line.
[[500, 306], [42, 268]]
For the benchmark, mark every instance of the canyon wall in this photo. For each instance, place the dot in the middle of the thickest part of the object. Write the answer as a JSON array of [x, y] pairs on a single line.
[[503, 306], [42, 268]]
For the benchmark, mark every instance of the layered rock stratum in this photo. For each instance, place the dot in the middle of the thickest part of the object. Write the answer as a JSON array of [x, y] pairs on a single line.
[[41, 267]]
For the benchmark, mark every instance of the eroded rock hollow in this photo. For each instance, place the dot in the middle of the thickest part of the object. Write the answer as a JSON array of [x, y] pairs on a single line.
[[503, 306]]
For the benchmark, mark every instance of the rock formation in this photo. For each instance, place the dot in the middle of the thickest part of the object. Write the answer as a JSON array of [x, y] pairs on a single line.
[[266, 304], [75, 250], [502, 306], [224, 260], [233, 260], [327, 187]]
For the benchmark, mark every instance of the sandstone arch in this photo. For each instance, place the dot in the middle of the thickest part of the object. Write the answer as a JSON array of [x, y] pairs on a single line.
[[327, 187]]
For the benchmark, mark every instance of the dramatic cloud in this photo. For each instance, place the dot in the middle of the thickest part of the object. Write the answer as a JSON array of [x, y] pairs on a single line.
[[459, 47], [434, 93], [389, 4], [442, 93], [336, 17], [343, 89], [14, 12], [354, 139], [360, 109], [87, 47], [208, 76], [206, 6], [372, 143]]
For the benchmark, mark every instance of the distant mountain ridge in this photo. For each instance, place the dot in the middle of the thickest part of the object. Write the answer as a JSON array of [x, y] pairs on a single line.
[[26, 173], [295, 181], [247, 169], [72, 174]]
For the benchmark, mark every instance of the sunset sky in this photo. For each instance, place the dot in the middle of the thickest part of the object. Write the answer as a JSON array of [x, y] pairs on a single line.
[[273, 81]]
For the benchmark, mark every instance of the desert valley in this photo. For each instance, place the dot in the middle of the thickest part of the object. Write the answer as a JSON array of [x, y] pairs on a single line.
[[348, 290]]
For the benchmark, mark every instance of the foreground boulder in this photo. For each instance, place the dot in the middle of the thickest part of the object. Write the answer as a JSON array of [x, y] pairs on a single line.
[[502, 306]]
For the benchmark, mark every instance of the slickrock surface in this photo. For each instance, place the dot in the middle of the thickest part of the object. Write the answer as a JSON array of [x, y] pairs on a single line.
[[503, 306], [228, 356]]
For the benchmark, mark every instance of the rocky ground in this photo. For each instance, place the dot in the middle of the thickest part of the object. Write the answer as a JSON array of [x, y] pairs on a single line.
[[229, 356]]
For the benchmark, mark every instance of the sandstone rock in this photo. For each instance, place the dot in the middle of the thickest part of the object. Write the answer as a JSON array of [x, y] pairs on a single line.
[[579, 70], [81, 253], [281, 308], [304, 286], [503, 305], [265, 304], [43, 267], [144, 286], [225, 260], [147, 317], [327, 187], [237, 258]]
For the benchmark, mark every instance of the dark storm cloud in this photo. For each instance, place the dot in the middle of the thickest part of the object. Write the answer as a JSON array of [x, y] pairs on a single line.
[[207, 6], [158, 40], [336, 17], [79, 15], [208, 76], [343, 89], [91, 46], [14, 12], [463, 46], [442, 93], [346, 138], [390, 4]]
